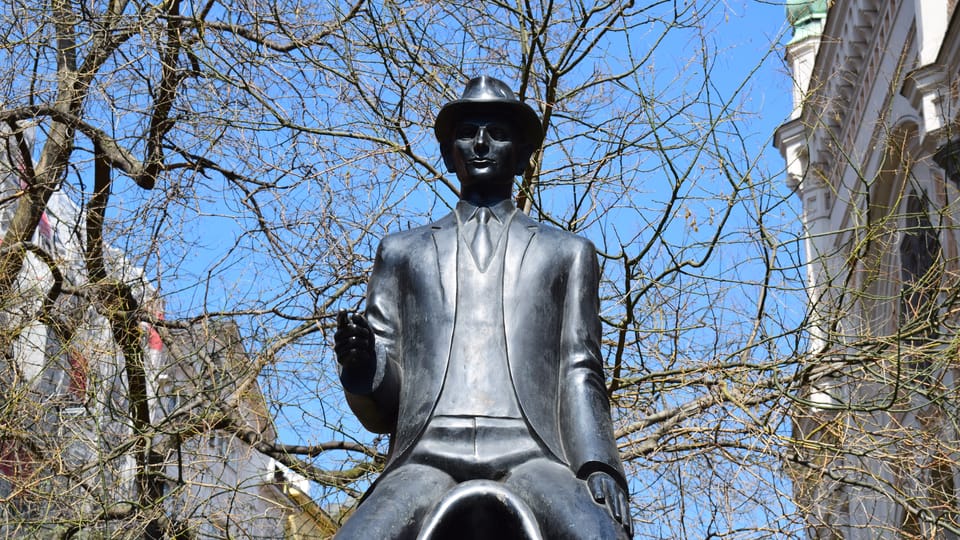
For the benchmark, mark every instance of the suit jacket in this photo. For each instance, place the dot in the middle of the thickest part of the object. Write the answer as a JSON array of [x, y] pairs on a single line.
[[551, 317]]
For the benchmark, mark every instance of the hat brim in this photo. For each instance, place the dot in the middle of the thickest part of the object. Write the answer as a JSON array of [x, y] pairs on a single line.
[[522, 115]]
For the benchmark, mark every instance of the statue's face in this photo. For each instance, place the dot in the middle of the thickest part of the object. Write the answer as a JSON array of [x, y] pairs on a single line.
[[484, 151]]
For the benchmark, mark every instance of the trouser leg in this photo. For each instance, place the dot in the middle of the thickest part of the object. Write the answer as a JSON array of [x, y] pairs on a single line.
[[397, 505], [562, 503]]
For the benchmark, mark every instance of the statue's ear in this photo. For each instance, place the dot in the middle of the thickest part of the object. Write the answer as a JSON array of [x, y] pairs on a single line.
[[524, 153], [445, 148]]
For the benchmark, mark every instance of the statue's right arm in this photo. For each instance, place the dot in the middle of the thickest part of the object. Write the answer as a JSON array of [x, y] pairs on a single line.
[[369, 372]]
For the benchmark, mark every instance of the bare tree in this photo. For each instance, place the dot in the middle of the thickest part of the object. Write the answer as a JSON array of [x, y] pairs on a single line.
[[249, 156]]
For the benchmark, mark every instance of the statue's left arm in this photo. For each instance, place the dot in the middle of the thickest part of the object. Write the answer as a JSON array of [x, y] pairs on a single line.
[[585, 425]]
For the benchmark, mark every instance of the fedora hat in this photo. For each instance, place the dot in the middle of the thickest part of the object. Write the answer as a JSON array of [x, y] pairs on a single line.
[[489, 94]]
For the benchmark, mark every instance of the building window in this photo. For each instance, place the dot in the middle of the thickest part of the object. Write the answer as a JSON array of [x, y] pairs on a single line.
[[920, 268]]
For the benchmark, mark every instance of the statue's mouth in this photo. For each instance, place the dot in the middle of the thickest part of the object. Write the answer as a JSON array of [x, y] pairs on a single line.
[[481, 162]]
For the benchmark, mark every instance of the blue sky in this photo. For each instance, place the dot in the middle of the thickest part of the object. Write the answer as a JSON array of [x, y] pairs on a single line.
[[745, 67]]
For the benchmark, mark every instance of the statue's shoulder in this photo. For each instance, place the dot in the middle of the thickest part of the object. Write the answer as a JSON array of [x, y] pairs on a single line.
[[420, 235], [564, 240]]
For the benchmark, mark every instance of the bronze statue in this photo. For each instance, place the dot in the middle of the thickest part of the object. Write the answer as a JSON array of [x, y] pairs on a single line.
[[480, 355]]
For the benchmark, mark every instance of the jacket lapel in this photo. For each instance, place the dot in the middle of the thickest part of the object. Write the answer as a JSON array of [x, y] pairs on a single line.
[[519, 235], [445, 242]]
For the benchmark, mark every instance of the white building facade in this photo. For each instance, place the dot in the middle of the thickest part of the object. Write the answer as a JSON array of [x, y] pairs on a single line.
[[872, 148]]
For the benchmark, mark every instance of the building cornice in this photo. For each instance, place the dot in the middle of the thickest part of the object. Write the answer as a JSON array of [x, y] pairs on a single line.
[[790, 139], [928, 88]]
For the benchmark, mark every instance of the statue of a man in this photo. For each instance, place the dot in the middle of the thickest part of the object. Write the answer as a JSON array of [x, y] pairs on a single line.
[[480, 349]]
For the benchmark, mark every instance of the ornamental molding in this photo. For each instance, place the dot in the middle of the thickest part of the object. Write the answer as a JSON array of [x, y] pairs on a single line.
[[854, 42], [934, 90]]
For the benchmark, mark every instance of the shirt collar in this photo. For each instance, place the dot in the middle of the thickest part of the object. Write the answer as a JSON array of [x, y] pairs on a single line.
[[501, 211]]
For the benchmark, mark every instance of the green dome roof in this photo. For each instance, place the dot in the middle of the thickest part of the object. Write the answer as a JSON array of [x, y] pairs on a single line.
[[800, 12], [806, 17]]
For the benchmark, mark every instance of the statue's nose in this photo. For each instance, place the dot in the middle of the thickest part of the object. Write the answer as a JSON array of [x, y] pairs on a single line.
[[481, 143]]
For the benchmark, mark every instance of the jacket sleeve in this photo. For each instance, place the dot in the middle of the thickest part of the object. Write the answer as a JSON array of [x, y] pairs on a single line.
[[373, 394], [584, 416]]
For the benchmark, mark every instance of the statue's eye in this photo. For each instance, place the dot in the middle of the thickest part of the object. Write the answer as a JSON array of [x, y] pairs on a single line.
[[498, 133], [466, 131]]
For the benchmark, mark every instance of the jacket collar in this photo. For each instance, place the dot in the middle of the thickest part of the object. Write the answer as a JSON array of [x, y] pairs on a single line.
[[520, 233]]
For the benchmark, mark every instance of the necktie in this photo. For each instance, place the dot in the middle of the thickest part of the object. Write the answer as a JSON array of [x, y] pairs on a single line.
[[481, 244]]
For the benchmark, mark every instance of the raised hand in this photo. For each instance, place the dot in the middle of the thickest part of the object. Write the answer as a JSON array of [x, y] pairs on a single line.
[[353, 342]]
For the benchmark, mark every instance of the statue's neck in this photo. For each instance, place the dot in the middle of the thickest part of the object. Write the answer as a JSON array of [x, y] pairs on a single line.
[[488, 195]]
